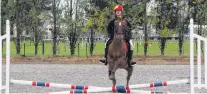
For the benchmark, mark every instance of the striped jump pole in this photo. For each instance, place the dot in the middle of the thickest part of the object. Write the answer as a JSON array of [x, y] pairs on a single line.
[[90, 89], [47, 84], [119, 89], [128, 89], [158, 84], [86, 92], [132, 91]]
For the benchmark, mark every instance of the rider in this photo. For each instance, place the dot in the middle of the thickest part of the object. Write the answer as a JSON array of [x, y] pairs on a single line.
[[118, 15]]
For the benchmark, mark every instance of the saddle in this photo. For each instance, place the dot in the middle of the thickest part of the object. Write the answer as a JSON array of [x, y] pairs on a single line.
[[126, 46]]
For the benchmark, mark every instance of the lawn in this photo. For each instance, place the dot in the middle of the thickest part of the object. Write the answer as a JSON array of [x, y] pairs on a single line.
[[63, 49]]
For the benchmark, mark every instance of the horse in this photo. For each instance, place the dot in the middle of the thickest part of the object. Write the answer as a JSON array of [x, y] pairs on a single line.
[[117, 52]]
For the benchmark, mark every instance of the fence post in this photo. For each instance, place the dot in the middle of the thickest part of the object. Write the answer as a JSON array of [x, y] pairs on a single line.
[[1, 65], [64, 45], [86, 49], [191, 56], [24, 48], [137, 48], [7, 56], [43, 47], [78, 49], [205, 62]]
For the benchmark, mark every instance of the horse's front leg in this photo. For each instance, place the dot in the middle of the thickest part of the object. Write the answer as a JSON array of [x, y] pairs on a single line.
[[110, 66], [112, 76], [129, 74]]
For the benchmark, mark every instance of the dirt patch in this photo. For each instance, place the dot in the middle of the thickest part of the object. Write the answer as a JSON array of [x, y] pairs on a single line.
[[95, 60]]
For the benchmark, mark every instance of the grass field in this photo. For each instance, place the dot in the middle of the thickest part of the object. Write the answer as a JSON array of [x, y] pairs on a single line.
[[153, 50]]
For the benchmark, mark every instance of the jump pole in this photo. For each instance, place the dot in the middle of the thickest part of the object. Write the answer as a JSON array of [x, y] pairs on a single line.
[[48, 84], [70, 86], [132, 91], [85, 92]]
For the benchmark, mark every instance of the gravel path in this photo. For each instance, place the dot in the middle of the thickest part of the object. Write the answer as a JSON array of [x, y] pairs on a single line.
[[96, 75]]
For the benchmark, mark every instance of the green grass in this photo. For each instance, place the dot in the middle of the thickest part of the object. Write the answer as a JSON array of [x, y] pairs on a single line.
[[153, 50], [171, 49]]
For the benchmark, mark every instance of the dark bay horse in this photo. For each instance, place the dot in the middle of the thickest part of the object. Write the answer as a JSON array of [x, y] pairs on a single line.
[[117, 53]]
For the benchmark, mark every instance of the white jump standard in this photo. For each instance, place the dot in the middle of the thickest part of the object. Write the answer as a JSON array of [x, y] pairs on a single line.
[[199, 39], [7, 37]]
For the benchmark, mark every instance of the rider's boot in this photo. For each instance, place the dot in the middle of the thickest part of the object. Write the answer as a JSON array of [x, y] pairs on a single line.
[[130, 61], [104, 60]]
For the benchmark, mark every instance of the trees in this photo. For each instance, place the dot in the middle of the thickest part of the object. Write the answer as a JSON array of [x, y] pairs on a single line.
[[56, 16], [24, 14], [72, 21], [97, 18], [54, 27], [183, 20], [166, 22], [37, 7], [198, 9], [74, 16], [96, 22], [139, 17]]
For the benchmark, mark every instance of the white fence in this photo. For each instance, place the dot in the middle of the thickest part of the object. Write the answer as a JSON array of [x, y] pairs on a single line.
[[7, 37], [198, 38]]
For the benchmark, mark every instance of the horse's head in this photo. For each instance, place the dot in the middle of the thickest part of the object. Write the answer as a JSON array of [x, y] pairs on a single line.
[[119, 29]]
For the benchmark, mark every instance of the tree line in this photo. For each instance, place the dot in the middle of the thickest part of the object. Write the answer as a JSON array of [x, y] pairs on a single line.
[[71, 17]]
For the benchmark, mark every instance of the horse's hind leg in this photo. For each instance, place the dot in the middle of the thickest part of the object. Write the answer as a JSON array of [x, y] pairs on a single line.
[[129, 74]]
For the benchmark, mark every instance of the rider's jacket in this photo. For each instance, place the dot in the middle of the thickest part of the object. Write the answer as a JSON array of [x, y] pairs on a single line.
[[110, 29]]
